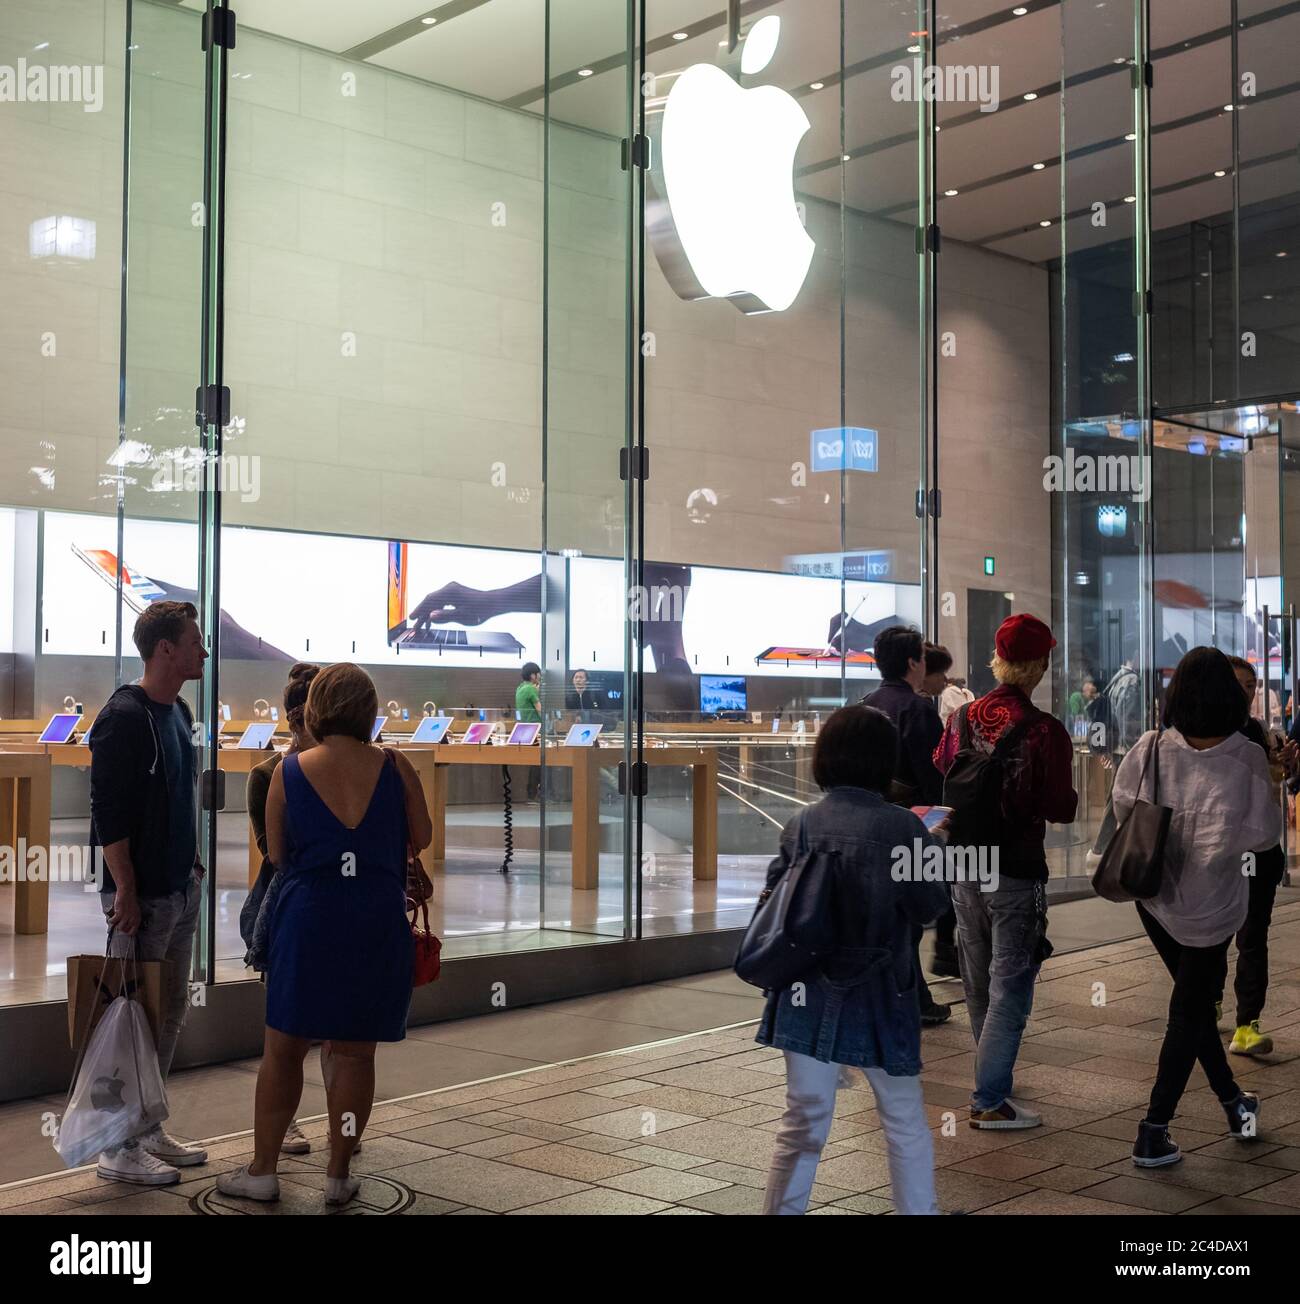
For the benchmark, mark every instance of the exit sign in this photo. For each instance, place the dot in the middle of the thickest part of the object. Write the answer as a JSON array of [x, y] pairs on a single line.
[[988, 565]]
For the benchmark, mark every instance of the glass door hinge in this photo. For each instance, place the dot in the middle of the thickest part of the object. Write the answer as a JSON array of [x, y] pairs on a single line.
[[219, 29]]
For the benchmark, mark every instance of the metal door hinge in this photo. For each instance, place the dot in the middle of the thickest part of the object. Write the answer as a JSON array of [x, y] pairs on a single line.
[[640, 778], [219, 29], [212, 406], [928, 239], [212, 790], [633, 463], [637, 153]]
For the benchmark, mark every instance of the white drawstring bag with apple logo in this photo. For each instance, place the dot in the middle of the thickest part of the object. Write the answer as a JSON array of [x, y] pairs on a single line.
[[117, 1091]]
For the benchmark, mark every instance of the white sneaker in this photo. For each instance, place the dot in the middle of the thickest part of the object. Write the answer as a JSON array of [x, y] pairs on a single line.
[[133, 1163], [177, 1153], [241, 1183], [294, 1142], [339, 1190]]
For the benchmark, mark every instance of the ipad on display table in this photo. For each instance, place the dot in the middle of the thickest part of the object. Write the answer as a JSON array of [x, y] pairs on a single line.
[[479, 732], [60, 728], [582, 735], [432, 729], [380, 722], [257, 737], [524, 734]]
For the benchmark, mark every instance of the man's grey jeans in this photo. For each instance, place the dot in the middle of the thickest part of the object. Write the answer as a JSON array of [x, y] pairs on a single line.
[[166, 932]]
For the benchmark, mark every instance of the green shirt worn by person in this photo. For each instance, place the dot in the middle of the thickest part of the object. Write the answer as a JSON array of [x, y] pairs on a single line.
[[528, 702]]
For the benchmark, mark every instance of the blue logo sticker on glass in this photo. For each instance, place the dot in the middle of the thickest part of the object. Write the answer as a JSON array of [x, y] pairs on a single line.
[[851, 448]]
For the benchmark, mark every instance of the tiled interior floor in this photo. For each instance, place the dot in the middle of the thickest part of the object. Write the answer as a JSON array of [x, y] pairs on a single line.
[[683, 1125]]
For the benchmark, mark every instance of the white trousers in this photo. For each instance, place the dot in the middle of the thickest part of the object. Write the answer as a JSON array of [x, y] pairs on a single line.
[[809, 1111]]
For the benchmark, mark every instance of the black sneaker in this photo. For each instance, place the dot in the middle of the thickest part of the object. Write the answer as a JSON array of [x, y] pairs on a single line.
[[1153, 1147], [934, 1014], [1243, 1117]]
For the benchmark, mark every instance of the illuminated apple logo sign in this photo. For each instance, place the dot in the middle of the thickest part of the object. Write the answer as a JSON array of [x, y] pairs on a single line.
[[722, 216]]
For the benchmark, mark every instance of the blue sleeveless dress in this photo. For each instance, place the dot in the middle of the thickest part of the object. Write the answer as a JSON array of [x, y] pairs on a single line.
[[339, 949]]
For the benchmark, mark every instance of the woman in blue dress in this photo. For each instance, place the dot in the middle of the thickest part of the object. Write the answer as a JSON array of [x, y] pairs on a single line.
[[339, 954]]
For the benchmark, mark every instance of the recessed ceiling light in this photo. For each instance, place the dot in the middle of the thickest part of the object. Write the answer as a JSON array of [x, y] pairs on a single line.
[[914, 49], [1045, 222], [679, 36], [1031, 95], [950, 193], [723, 41], [1220, 173], [1038, 167], [1020, 11], [1228, 108], [584, 72], [1281, 253], [844, 158], [1131, 136], [44, 45], [1121, 59], [816, 86], [1130, 199], [1268, 296], [429, 21], [938, 128]]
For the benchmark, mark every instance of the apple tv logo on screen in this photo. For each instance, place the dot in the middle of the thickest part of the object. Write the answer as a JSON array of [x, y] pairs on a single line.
[[722, 218]]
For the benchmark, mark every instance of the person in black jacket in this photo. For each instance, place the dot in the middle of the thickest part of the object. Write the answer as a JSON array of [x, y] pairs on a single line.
[[143, 776], [900, 657]]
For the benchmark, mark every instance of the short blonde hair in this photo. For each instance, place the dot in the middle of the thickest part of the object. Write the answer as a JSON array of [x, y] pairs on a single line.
[[341, 700], [1019, 674]]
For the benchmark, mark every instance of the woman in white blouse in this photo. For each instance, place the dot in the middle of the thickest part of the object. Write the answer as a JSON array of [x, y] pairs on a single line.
[[1225, 811]]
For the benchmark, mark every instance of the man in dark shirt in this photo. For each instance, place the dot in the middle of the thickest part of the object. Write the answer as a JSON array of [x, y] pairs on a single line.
[[581, 696], [143, 821], [900, 657]]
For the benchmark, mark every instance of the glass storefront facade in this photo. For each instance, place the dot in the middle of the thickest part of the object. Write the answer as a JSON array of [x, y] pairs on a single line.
[[456, 341]]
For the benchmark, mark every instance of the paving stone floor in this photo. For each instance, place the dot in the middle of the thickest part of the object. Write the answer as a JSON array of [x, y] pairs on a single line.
[[684, 1126]]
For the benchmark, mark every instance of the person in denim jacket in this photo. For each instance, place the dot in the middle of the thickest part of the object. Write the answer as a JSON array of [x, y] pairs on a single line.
[[861, 1008]]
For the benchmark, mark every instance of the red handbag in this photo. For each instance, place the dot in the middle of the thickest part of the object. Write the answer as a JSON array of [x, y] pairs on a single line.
[[428, 948], [427, 963]]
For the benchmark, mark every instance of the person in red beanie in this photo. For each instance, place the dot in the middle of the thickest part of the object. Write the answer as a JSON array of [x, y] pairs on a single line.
[[1008, 771]]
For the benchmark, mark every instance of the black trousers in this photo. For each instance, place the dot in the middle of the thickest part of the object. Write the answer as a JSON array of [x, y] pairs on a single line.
[[1251, 983], [1190, 1035]]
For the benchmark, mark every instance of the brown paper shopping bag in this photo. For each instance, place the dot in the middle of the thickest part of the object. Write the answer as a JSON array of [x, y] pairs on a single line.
[[95, 981]]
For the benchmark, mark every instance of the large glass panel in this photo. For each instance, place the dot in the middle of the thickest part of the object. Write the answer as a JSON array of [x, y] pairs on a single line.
[[97, 415], [998, 187], [782, 410], [426, 305], [1100, 474]]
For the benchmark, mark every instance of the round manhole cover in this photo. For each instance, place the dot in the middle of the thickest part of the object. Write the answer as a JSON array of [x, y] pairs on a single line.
[[304, 1192]]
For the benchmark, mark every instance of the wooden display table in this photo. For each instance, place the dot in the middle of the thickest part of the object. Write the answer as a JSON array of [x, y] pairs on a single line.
[[585, 763], [431, 762], [25, 819]]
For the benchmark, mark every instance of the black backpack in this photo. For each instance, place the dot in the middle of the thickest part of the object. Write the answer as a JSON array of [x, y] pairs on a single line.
[[974, 783]]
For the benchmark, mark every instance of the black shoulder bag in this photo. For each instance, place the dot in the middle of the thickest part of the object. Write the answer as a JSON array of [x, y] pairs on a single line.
[[793, 928], [1133, 864]]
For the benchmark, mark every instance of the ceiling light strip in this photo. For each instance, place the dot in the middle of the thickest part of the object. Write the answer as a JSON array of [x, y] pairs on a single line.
[[413, 27]]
